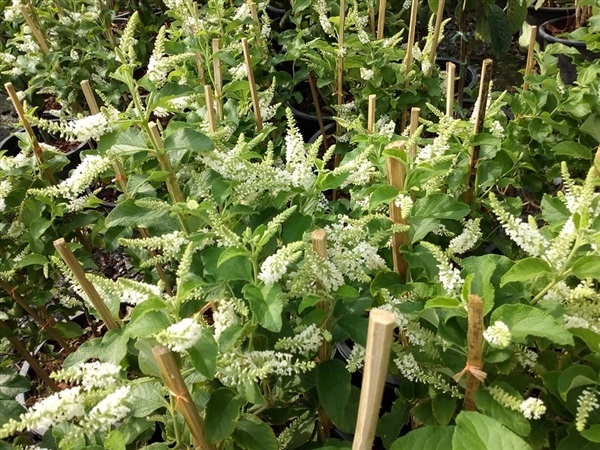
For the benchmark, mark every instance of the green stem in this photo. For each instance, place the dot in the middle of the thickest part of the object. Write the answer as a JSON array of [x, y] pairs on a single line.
[[175, 424]]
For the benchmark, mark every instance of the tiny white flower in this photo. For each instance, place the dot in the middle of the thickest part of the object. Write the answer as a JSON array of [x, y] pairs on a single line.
[[181, 335], [366, 74], [533, 408], [498, 334]]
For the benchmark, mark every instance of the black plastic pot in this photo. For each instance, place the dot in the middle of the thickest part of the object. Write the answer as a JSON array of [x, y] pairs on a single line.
[[568, 70], [329, 129], [471, 74], [544, 14], [307, 122]]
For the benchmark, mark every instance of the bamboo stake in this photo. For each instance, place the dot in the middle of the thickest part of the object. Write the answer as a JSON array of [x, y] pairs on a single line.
[[210, 108], [475, 358], [37, 150], [121, 178], [200, 66], [340, 63], [319, 243], [450, 78], [396, 174], [165, 164], [530, 52], [112, 322], [44, 322], [253, 90], [381, 19], [37, 32], [22, 350], [439, 16], [216, 45], [414, 9], [372, 18], [371, 114], [484, 88], [414, 124], [315, 97], [254, 15], [178, 390], [377, 356]]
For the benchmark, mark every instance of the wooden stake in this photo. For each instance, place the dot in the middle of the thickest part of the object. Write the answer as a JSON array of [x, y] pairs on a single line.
[[37, 150], [37, 33], [396, 174], [484, 88], [216, 45], [377, 356], [371, 114], [200, 66], [439, 16], [414, 124], [165, 164], [210, 108], [253, 90], [315, 97], [179, 391], [450, 78], [475, 358], [412, 28], [90, 98], [254, 15], [45, 322], [372, 18], [112, 322], [340, 63], [530, 53], [33, 363], [381, 19]]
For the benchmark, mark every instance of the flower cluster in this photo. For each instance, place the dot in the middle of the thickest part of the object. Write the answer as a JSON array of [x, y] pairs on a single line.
[[276, 265], [304, 343], [5, 188], [91, 127], [467, 239], [586, 403], [181, 335], [91, 375], [498, 335], [448, 275]]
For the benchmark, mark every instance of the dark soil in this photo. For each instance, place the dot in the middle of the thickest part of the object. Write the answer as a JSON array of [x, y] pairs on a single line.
[[107, 192], [115, 264]]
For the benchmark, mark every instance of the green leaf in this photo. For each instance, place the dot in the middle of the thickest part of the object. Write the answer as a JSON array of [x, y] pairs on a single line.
[[148, 324], [333, 387], [573, 149], [235, 268], [222, 412], [146, 359], [500, 30], [133, 428], [586, 267], [204, 355], [114, 441], [251, 433], [12, 384], [112, 347], [30, 260], [439, 206], [232, 252], [443, 408], [592, 126], [512, 419], [591, 338], [10, 409], [425, 438], [188, 139], [525, 320], [146, 395], [383, 194], [474, 431], [266, 304], [443, 302], [527, 269], [486, 270], [575, 375], [128, 214], [592, 433]]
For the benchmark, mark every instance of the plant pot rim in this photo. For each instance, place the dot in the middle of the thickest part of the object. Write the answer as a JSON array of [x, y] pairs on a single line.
[[552, 9], [550, 38]]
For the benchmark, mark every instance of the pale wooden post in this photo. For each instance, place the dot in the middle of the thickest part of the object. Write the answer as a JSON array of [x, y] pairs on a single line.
[[396, 174], [377, 356], [412, 29], [530, 53], [371, 114], [475, 357], [210, 108], [251, 82], [414, 124], [216, 45], [450, 76], [439, 16]]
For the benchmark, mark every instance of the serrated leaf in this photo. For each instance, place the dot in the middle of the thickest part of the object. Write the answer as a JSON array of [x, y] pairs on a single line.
[[512, 419], [232, 252], [439, 206], [574, 376], [527, 269], [383, 194], [222, 412], [586, 267], [12, 384], [112, 347], [203, 355], [525, 320], [188, 139], [251, 433], [146, 397], [266, 303], [425, 438], [572, 149], [474, 431]]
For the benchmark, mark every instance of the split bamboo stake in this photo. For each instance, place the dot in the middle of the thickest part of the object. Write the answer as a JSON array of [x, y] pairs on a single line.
[[484, 88], [396, 174], [45, 322], [210, 108], [473, 369], [319, 243], [179, 391], [412, 28], [121, 178], [37, 149], [371, 114], [165, 164], [216, 45], [200, 66], [253, 90], [530, 52], [37, 32], [315, 97], [33, 363], [414, 124], [112, 322], [439, 16], [450, 76], [381, 19], [340, 63], [377, 356]]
